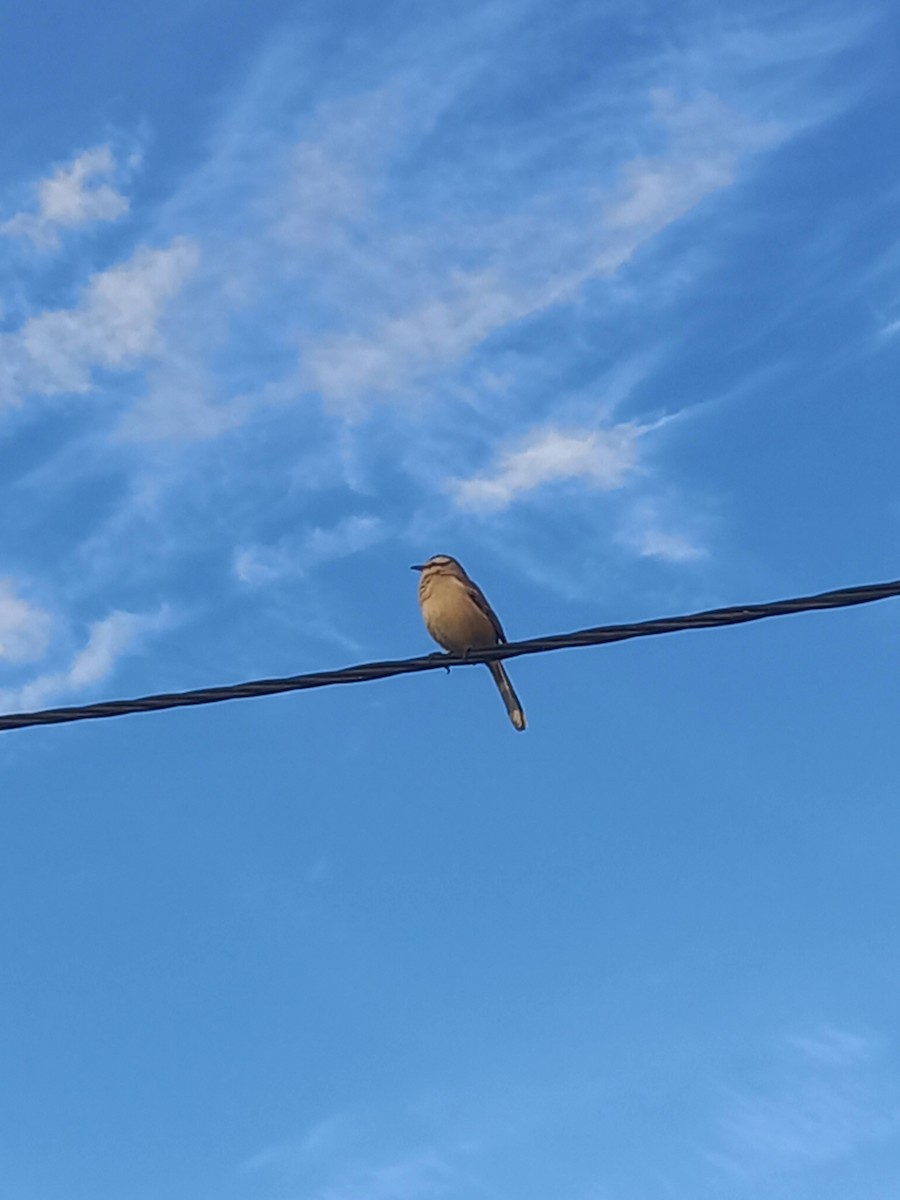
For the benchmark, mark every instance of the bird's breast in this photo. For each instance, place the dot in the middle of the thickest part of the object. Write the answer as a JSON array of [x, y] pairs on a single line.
[[453, 618]]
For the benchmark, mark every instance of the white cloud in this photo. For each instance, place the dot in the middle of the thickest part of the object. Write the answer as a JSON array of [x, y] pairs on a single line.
[[114, 326], [329, 179], [346, 537], [605, 458], [256, 565], [650, 532], [443, 328], [708, 143], [180, 404], [75, 194], [24, 628], [108, 640], [663, 544]]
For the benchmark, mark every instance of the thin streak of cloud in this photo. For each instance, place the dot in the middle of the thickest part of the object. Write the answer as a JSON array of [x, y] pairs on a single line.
[[833, 1095], [319, 1139], [838, 1047], [804, 1125], [605, 458]]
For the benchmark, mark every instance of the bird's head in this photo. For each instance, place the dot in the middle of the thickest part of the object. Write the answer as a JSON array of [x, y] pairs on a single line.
[[440, 564]]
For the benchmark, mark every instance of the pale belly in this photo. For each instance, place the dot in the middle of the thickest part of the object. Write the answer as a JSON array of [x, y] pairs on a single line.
[[455, 622]]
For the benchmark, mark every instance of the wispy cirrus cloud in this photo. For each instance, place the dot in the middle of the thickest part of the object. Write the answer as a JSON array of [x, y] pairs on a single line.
[[261, 564], [24, 626], [548, 249], [319, 1139], [387, 306], [652, 542], [708, 144], [832, 1095], [114, 326], [838, 1047], [108, 641], [604, 458], [406, 279], [332, 1161], [78, 193], [657, 528]]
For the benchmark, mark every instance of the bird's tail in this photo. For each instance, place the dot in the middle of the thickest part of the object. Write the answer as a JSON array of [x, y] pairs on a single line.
[[508, 692]]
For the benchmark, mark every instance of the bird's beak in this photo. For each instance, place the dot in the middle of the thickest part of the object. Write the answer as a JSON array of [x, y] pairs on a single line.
[[417, 567]]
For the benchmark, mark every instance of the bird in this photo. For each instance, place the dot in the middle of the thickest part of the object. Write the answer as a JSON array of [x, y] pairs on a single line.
[[459, 618]]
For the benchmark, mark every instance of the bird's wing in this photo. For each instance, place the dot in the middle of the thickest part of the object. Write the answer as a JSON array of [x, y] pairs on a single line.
[[479, 598]]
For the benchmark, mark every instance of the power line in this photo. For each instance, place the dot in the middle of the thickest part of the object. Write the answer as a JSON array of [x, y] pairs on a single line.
[[597, 636]]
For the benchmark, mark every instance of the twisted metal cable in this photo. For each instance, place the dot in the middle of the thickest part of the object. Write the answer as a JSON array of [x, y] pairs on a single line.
[[597, 636]]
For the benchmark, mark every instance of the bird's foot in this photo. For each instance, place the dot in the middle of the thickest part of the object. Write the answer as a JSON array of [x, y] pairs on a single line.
[[440, 654]]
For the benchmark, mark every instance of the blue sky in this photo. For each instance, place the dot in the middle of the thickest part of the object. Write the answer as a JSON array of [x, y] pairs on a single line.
[[604, 299]]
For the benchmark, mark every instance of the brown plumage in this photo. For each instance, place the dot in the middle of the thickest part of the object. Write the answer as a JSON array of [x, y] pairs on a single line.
[[459, 618]]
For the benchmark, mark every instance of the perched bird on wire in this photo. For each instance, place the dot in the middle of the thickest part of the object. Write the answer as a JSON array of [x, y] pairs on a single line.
[[459, 618]]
